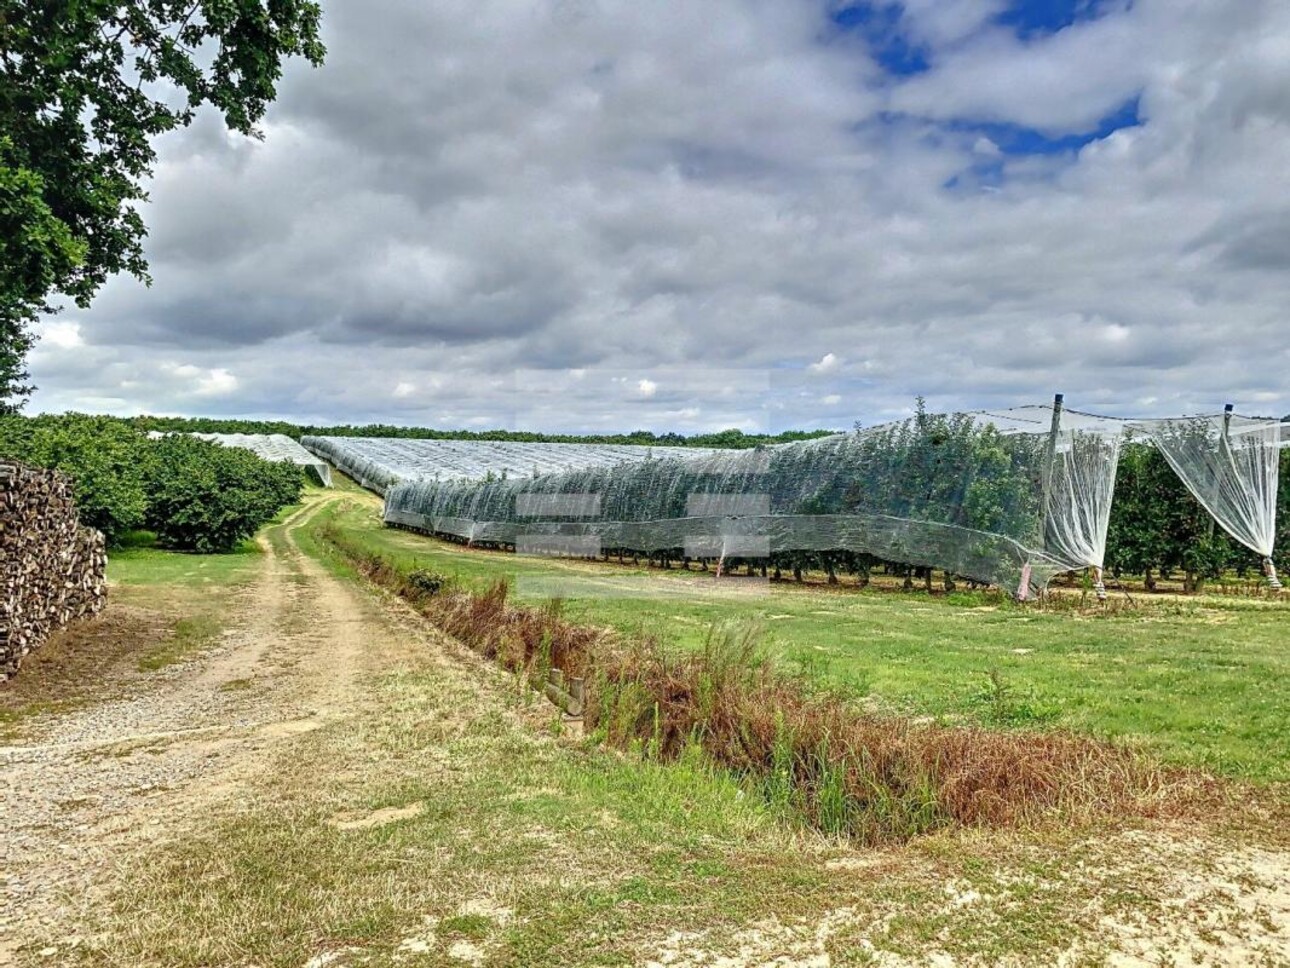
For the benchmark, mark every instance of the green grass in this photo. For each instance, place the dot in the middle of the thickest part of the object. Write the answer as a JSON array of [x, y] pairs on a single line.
[[148, 566], [1202, 682], [192, 590]]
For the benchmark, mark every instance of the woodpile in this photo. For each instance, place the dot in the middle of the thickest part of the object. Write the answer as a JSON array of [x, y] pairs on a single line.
[[51, 568]]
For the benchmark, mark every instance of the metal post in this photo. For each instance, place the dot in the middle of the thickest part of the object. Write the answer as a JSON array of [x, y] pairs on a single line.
[[1048, 469], [1222, 443], [1023, 592]]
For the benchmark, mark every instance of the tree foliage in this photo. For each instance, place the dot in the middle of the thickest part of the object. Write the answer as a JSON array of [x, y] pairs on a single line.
[[36, 250], [85, 87], [206, 497], [104, 458], [1158, 528], [197, 496]]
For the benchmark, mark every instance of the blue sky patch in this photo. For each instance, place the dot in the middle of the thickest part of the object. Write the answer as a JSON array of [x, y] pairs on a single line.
[[879, 24], [1033, 17], [1016, 139]]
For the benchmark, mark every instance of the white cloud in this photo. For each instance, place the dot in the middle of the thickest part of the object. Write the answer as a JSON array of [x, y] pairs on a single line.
[[828, 363], [986, 148], [942, 23], [1064, 82], [218, 382], [645, 389], [404, 389], [188, 379], [60, 334]]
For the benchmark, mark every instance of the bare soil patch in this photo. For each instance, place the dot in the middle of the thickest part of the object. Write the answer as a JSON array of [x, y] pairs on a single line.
[[85, 661]]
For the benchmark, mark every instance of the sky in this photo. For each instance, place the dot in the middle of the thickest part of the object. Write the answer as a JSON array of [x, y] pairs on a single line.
[[605, 215]]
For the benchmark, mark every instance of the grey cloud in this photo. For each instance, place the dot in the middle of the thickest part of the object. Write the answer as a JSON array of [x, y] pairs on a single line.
[[1256, 240]]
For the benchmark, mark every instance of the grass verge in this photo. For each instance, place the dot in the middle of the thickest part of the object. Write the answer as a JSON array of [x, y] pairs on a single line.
[[847, 770], [1203, 682]]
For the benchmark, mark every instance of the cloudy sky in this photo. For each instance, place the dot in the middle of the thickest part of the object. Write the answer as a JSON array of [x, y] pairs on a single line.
[[611, 214]]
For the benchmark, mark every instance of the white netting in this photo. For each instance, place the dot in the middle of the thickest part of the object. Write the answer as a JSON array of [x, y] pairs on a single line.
[[1231, 465], [272, 447], [1079, 511], [1012, 497], [1012, 507], [1084, 457], [379, 462]]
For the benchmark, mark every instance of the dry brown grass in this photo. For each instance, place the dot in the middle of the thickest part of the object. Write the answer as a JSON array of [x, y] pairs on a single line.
[[847, 769]]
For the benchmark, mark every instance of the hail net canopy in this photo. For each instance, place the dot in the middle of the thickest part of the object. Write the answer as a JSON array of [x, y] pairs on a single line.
[[1011, 497], [378, 463], [271, 447]]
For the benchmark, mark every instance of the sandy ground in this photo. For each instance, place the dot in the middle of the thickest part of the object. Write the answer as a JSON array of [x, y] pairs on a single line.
[[95, 783]]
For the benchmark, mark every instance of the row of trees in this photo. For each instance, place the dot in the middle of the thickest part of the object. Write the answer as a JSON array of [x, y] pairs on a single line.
[[203, 497], [195, 495], [935, 490]]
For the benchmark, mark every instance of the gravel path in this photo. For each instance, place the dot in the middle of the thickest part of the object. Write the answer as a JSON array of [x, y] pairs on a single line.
[[88, 786]]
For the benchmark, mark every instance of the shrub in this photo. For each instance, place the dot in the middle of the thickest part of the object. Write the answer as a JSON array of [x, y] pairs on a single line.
[[204, 497], [427, 582], [105, 458]]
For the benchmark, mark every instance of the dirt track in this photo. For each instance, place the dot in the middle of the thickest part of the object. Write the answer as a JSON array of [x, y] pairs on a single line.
[[90, 786]]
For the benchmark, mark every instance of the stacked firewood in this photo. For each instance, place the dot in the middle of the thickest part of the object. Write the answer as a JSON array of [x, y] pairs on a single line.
[[51, 568]]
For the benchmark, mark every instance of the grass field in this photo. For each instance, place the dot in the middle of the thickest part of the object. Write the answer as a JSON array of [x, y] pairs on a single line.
[[191, 591], [1200, 682]]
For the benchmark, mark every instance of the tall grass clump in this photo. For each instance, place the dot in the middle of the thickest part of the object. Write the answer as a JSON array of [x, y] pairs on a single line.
[[811, 752]]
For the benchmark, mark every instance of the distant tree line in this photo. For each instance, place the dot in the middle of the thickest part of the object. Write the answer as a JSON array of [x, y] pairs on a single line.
[[730, 439]]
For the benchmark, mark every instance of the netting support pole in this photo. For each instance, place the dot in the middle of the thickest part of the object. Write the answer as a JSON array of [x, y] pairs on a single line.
[[1222, 444], [1048, 469], [1270, 572], [1050, 461]]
